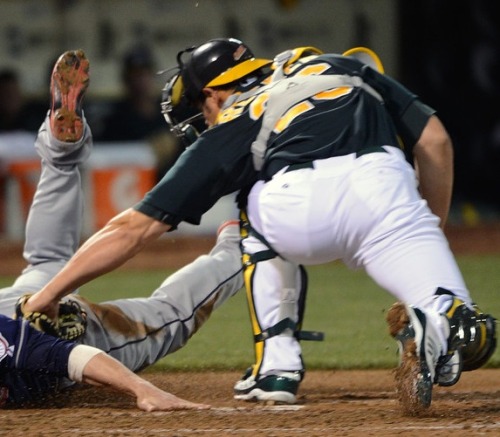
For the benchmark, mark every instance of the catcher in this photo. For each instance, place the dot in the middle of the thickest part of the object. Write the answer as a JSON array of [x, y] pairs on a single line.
[[319, 137], [134, 332]]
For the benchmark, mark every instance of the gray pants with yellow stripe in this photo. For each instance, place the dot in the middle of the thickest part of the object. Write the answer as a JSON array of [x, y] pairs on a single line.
[[137, 332]]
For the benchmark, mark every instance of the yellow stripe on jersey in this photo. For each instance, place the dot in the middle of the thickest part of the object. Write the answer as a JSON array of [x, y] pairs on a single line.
[[333, 93], [291, 115]]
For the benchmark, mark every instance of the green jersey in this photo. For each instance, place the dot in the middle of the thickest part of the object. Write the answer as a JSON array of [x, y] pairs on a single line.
[[332, 122]]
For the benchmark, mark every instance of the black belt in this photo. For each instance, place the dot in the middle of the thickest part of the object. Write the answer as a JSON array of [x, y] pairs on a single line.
[[299, 166], [374, 149], [310, 164]]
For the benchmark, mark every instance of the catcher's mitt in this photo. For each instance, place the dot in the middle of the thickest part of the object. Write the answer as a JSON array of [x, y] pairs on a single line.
[[69, 325], [72, 320]]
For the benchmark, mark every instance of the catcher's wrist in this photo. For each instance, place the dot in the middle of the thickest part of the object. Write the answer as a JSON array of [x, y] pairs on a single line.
[[33, 303]]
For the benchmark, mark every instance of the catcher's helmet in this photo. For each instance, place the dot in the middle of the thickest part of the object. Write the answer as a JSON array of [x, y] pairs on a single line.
[[218, 62], [215, 63]]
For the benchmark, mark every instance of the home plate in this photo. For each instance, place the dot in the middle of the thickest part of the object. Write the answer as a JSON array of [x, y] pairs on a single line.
[[283, 407], [265, 408]]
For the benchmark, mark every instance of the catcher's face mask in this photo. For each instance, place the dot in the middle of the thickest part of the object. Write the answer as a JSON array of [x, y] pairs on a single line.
[[216, 63], [183, 117], [184, 121]]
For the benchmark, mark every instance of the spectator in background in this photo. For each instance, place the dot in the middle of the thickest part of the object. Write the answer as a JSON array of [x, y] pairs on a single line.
[[16, 112], [136, 116]]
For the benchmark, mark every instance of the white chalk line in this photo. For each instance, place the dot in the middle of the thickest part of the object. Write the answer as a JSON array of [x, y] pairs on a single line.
[[271, 408], [295, 430]]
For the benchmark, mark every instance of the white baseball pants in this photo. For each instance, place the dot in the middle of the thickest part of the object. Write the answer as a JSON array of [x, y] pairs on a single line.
[[366, 211]]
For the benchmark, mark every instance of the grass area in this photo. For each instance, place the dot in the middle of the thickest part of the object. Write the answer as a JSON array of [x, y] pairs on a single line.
[[347, 306]]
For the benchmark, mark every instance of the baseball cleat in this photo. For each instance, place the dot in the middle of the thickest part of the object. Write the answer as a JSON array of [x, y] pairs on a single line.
[[271, 389], [419, 352], [69, 81], [449, 368]]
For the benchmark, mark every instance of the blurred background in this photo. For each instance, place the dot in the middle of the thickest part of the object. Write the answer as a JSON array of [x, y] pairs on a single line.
[[447, 52]]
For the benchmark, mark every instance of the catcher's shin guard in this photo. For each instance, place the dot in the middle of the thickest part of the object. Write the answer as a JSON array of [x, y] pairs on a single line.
[[471, 341], [473, 333], [293, 287], [287, 324]]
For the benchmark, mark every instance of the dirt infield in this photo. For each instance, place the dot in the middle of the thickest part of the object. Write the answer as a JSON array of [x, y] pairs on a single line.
[[331, 403]]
